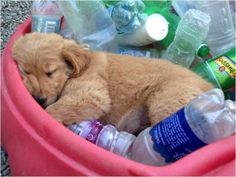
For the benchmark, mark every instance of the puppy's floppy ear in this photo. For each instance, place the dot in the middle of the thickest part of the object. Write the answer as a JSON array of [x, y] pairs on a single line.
[[76, 57]]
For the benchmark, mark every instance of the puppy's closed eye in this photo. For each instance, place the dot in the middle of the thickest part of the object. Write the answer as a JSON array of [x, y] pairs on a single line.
[[50, 69], [50, 73]]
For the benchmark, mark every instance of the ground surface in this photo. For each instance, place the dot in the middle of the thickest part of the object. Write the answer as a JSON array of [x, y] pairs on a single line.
[[13, 13]]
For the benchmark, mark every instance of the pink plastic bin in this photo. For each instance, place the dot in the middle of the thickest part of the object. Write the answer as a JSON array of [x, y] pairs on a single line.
[[38, 145]]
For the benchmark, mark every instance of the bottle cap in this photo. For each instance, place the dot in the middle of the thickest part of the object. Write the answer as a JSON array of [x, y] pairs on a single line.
[[203, 51]]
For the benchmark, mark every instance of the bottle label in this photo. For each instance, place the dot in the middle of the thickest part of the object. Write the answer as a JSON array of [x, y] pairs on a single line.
[[96, 127], [224, 69], [46, 24], [173, 137], [134, 52]]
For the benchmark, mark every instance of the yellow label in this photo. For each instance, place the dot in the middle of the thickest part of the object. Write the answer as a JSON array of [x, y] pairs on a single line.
[[227, 66]]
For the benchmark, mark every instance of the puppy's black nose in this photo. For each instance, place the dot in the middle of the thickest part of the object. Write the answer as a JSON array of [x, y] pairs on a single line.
[[40, 99]]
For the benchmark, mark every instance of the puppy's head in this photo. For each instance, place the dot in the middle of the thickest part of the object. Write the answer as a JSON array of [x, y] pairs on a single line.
[[46, 62]]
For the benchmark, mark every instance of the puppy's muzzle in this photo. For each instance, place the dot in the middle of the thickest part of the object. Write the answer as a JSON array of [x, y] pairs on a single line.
[[40, 99]]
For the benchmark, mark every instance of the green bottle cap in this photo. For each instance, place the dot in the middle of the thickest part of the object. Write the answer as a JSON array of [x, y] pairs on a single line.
[[203, 51]]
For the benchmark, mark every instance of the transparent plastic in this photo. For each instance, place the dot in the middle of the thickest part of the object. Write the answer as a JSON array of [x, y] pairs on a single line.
[[128, 15], [91, 23], [191, 32], [106, 136], [46, 16], [182, 6], [221, 36], [210, 118]]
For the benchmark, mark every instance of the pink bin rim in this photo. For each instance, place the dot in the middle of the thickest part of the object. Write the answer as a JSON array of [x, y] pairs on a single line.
[[82, 156]]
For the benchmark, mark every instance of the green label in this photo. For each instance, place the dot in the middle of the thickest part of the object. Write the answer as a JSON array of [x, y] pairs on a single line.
[[224, 69]]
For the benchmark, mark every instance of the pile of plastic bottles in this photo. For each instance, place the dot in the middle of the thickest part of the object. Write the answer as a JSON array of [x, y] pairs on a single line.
[[189, 33], [206, 119]]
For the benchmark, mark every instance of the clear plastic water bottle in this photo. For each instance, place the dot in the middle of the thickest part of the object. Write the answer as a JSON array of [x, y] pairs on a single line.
[[90, 22], [221, 36], [106, 136], [206, 119], [46, 16], [232, 5], [191, 32]]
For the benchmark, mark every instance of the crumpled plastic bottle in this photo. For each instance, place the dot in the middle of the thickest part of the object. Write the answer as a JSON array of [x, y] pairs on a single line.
[[128, 15], [91, 23]]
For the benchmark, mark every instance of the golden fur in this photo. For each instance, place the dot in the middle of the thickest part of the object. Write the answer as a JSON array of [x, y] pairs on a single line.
[[128, 92]]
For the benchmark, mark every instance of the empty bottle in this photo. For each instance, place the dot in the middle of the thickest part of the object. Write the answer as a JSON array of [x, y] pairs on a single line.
[[128, 15], [90, 22], [106, 136], [191, 32], [154, 29], [221, 36], [232, 5], [206, 119], [46, 16], [165, 9]]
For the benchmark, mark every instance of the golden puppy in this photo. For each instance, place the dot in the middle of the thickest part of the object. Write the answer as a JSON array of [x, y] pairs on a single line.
[[76, 84]]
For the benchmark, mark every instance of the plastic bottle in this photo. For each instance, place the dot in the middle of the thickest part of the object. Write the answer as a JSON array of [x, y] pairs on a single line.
[[220, 70], [206, 119], [46, 16], [65, 31], [164, 8], [128, 15], [106, 136], [221, 36], [91, 23], [154, 29], [191, 32], [232, 5]]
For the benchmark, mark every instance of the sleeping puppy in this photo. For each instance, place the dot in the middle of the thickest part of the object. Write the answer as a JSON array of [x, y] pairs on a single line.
[[74, 84]]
